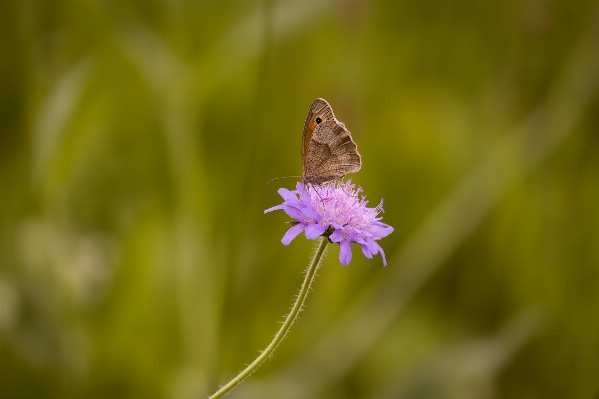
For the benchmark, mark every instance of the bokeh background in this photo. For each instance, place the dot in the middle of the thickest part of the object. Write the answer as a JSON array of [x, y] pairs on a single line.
[[137, 138]]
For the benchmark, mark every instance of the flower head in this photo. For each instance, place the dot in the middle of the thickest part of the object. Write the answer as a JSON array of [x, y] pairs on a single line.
[[335, 210]]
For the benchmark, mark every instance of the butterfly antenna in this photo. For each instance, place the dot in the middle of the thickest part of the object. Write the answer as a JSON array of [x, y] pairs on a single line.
[[278, 178]]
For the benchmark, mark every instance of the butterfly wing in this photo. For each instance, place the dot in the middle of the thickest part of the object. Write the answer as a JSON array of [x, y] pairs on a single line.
[[319, 112], [331, 154]]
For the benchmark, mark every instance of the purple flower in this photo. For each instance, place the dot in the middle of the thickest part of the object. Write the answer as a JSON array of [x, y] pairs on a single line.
[[336, 211]]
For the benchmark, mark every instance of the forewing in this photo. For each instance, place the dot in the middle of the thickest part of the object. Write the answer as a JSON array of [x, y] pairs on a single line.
[[320, 108]]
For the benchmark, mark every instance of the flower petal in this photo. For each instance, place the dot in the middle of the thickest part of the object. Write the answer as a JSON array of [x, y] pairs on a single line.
[[275, 208], [380, 230], [295, 213], [383, 256], [355, 237], [373, 247], [345, 252], [287, 194], [294, 202], [314, 231], [366, 251], [311, 214], [336, 225], [292, 233], [379, 250], [337, 236]]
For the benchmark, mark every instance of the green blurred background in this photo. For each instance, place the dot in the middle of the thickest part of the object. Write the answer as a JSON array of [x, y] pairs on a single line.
[[137, 138]]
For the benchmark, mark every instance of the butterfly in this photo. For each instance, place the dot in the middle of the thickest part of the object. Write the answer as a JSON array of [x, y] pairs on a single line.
[[328, 151]]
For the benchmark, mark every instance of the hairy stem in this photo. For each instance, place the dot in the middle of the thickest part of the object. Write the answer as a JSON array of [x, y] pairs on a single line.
[[289, 320]]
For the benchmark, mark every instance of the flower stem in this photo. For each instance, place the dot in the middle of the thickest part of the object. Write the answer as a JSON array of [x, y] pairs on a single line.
[[289, 320]]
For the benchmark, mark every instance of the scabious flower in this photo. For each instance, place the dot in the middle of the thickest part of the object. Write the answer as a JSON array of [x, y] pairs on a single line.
[[335, 210]]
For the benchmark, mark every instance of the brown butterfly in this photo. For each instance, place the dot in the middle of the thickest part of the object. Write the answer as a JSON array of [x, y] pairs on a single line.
[[328, 151]]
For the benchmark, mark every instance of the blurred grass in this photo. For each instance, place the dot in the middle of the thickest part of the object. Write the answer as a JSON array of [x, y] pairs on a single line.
[[136, 140]]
